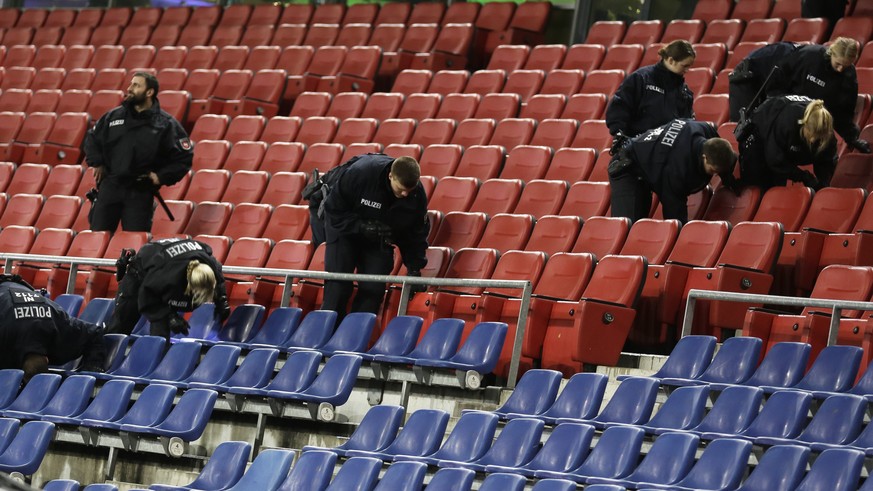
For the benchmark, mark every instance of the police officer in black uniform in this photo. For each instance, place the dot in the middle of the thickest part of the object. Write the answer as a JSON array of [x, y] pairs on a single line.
[[673, 161], [36, 332], [165, 277], [134, 149], [653, 95], [816, 71], [374, 202], [786, 132]]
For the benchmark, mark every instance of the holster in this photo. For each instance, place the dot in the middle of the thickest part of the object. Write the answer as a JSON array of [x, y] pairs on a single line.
[[620, 164]]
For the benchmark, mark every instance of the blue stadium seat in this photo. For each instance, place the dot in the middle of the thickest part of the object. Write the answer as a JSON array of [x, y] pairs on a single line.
[[224, 468], [277, 328], [109, 404], [421, 435], [721, 466], [837, 421], [780, 469], [614, 456], [100, 487], [632, 403], [604, 487], [177, 364], [298, 373], [10, 381], [733, 364], [479, 353], [144, 355], [688, 360], [398, 338], [98, 310], [783, 416], [356, 474], [61, 485], [439, 342], [8, 430], [834, 370], [565, 450], [332, 387], [580, 399], [503, 482], [315, 329], [732, 412], [29, 447], [535, 391], [70, 399], [216, 366], [683, 409], [402, 475], [469, 440], [515, 446], [254, 371], [864, 386], [116, 345], [152, 406], [836, 469], [562, 485], [312, 470], [35, 395], [186, 421], [267, 471], [782, 366], [201, 325], [238, 328], [70, 302], [375, 432], [452, 480], [668, 460], [352, 335]]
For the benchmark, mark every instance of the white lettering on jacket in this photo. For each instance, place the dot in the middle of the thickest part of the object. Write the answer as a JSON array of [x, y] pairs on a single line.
[[116, 122], [181, 247], [371, 204]]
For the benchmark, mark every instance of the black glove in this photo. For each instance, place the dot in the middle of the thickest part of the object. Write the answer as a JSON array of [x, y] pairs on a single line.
[[222, 309], [123, 261], [415, 288], [375, 230], [178, 325], [861, 145], [809, 180], [618, 142], [732, 183]]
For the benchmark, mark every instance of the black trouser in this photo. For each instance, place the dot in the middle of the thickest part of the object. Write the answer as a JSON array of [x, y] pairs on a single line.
[[753, 164], [630, 196], [740, 95], [350, 254], [132, 205]]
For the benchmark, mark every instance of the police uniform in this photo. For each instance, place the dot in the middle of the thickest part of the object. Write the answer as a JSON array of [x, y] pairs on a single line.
[[774, 148], [666, 160], [749, 75], [648, 98], [363, 193], [155, 284], [129, 144], [31, 324]]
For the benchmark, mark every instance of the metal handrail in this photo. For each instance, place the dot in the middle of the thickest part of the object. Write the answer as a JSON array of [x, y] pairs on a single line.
[[290, 274], [836, 305]]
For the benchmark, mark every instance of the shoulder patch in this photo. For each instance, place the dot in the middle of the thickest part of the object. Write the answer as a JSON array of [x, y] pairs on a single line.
[[185, 143]]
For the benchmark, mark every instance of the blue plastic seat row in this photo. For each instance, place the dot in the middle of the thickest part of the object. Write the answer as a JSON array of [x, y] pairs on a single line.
[[23, 446]]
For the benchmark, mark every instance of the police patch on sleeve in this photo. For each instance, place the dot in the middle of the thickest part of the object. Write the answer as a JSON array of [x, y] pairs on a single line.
[[29, 305], [185, 143]]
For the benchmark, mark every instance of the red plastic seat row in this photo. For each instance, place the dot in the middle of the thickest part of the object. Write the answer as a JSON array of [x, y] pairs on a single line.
[[43, 137]]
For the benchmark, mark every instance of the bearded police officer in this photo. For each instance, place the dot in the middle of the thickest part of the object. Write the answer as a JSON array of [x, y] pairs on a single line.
[[134, 149], [165, 277]]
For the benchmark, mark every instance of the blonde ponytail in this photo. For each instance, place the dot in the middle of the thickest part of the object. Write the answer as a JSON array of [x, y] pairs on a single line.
[[817, 126], [201, 282]]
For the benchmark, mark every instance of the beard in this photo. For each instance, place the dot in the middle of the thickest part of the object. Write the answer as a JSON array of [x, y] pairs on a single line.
[[136, 99]]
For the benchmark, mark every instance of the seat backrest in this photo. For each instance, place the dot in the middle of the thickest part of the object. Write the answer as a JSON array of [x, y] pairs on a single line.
[[268, 470], [834, 370], [669, 458], [313, 468], [700, 243], [602, 235], [615, 454], [689, 358], [834, 210], [440, 341], [534, 393], [36, 393], [470, 438], [733, 411], [783, 415], [735, 361], [422, 433], [785, 204], [606, 33], [721, 466], [754, 245], [652, 239], [835, 468], [782, 366], [151, 407], [315, 329], [217, 364], [516, 444]]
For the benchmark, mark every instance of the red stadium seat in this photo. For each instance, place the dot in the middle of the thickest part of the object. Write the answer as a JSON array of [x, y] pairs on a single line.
[[525, 83], [585, 57], [806, 30], [394, 131], [687, 30], [508, 57], [453, 194], [248, 219], [321, 156], [725, 31], [541, 198], [554, 134], [497, 196], [709, 10], [483, 82], [355, 130], [207, 185], [644, 32], [209, 218], [28, 179], [447, 82], [495, 106], [284, 188], [544, 106], [606, 33], [473, 132], [512, 132], [625, 57], [602, 81]]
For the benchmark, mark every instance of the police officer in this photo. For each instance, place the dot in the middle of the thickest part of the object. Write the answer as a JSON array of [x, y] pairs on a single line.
[[816, 71], [653, 95], [134, 149], [167, 276], [673, 161], [36, 332], [375, 202], [785, 132]]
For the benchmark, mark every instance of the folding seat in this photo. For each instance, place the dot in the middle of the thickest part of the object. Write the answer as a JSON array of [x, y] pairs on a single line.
[[585, 199], [497, 196], [710, 56], [135, 35], [326, 62], [453, 194], [688, 30], [450, 49], [433, 132], [28, 179], [207, 185], [484, 82], [403, 150], [33, 131], [699, 80], [592, 133], [210, 127], [508, 57], [614, 456], [172, 79], [25, 453], [17, 36], [543, 106], [394, 131], [321, 156], [16, 239], [446, 82], [564, 82], [162, 226], [511, 132], [602, 81], [806, 30], [245, 128], [19, 56], [766, 30], [418, 38], [525, 83], [210, 154], [110, 79], [541, 198], [310, 104], [60, 18], [63, 144], [355, 130], [245, 155], [726, 205], [48, 79], [354, 35], [554, 133], [282, 157], [357, 72], [193, 35], [77, 56], [602, 235], [491, 24], [76, 36], [420, 106], [7, 169], [317, 130], [18, 78], [117, 16], [138, 57], [49, 56], [625, 57], [643, 32], [105, 35], [725, 31], [858, 28], [583, 107], [321, 35]]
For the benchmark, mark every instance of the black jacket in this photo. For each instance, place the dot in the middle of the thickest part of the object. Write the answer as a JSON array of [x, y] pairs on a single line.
[[363, 192], [129, 144], [755, 67], [31, 324], [648, 98], [669, 158], [162, 267], [776, 124], [807, 71]]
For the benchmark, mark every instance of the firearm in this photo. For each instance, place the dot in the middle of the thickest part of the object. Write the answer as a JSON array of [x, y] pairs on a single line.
[[145, 180], [743, 125]]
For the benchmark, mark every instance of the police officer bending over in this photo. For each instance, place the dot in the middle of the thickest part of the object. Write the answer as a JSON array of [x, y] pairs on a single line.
[[816, 71], [786, 132], [36, 332], [134, 149], [374, 202], [673, 161], [652, 95], [163, 278]]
